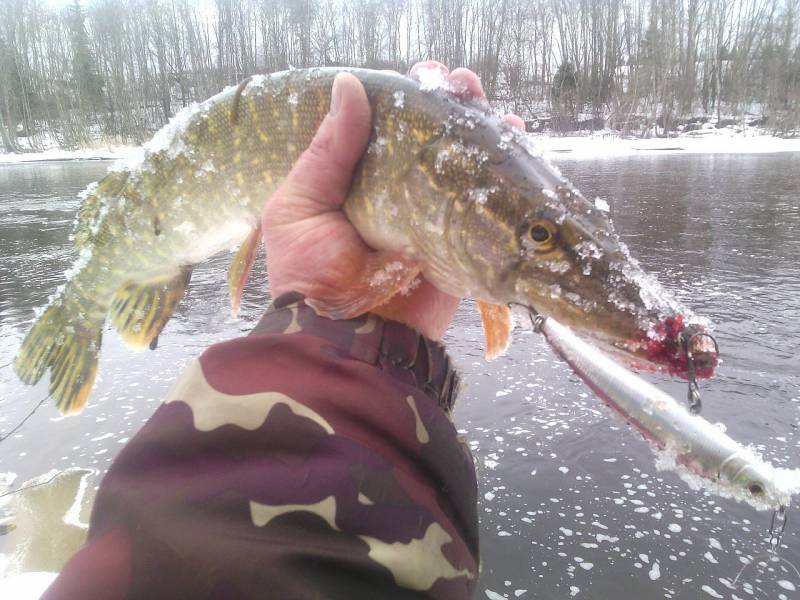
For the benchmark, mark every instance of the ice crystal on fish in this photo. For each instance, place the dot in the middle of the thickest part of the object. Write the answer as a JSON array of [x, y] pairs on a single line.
[[407, 289], [399, 98], [83, 259], [378, 147], [588, 251], [98, 220], [505, 138], [551, 194], [90, 189], [601, 205], [169, 134], [479, 195], [391, 272], [257, 82], [185, 228], [654, 297], [441, 159], [131, 163], [431, 79]]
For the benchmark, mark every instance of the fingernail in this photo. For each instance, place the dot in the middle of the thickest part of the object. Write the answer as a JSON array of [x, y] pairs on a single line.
[[336, 96]]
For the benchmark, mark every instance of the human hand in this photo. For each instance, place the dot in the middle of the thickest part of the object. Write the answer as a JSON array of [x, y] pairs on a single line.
[[311, 247]]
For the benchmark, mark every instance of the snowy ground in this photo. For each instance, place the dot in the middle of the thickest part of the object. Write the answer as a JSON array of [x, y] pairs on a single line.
[[715, 141], [55, 154], [596, 145]]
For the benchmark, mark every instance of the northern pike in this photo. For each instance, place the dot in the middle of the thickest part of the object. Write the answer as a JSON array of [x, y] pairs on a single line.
[[698, 451], [446, 188]]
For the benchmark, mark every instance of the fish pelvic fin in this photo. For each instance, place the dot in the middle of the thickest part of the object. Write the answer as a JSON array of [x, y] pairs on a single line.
[[497, 325], [240, 268], [384, 275], [140, 310], [69, 351]]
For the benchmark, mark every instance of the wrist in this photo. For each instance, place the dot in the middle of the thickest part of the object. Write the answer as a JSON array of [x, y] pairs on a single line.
[[394, 347]]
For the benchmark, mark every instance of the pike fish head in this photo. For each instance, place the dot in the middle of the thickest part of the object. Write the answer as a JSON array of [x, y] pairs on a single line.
[[533, 239]]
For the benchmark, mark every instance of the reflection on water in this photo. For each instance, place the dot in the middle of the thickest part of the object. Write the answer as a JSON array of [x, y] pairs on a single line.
[[570, 501]]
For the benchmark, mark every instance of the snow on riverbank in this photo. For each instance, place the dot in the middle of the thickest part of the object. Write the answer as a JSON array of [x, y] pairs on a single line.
[[719, 141], [57, 155], [598, 145]]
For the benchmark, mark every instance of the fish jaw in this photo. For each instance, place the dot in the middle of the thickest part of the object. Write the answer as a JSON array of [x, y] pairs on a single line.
[[534, 239], [639, 337]]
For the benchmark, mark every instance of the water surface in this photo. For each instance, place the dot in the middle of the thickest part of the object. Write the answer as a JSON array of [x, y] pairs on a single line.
[[571, 503]]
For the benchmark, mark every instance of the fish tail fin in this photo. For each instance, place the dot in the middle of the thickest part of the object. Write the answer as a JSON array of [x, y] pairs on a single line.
[[57, 343]]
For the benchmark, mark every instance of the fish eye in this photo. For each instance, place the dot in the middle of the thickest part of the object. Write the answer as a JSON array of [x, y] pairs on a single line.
[[541, 233], [755, 488]]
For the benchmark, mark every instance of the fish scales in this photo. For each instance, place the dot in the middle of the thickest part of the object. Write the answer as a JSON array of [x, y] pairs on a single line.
[[447, 189]]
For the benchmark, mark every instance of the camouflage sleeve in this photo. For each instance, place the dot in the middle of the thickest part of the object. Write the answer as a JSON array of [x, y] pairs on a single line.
[[311, 459]]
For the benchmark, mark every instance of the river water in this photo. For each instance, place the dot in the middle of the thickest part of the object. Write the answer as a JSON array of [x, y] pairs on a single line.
[[571, 503]]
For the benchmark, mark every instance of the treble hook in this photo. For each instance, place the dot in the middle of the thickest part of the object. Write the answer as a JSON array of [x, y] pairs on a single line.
[[695, 402], [537, 320], [776, 533]]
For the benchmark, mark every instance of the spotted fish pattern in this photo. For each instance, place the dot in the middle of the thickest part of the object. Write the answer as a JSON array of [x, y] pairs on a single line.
[[312, 459]]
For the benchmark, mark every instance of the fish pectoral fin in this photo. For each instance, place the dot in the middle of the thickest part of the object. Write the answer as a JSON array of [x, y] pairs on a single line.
[[69, 352], [140, 310], [497, 325], [240, 267], [384, 275]]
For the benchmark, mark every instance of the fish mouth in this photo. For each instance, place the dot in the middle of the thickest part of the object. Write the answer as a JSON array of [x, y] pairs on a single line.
[[676, 347], [676, 344]]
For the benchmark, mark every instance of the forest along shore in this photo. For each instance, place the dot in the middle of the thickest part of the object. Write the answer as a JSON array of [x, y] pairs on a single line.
[[81, 71], [597, 145]]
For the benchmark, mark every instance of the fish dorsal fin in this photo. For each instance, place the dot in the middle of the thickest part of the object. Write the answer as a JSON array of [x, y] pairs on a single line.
[[497, 325], [240, 267], [87, 222], [384, 275], [140, 310]]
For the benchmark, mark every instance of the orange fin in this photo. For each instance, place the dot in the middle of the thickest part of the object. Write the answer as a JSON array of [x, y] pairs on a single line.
[[139, 310], [497, 325], [70, 353], [240, 268], [385, 274]]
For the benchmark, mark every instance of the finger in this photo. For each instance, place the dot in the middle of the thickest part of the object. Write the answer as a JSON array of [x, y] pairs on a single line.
[[514, 121], [467, 83], [426, 309], [324, 171]]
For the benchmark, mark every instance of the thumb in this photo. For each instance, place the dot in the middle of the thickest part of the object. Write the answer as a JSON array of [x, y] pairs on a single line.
[[323, 173]]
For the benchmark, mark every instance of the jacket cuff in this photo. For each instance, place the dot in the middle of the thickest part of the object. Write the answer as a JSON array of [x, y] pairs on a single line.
[[400, 351]]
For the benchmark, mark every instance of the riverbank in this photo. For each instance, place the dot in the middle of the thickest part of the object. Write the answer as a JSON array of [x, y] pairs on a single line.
[[58, 155], [715, 141], [596, 145]]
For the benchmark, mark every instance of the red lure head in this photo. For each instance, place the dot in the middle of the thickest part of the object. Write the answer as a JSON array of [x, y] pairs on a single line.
[[667, 346]]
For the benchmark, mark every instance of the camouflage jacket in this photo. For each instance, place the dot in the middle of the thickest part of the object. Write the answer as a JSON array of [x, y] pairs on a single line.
[[311, 459]]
